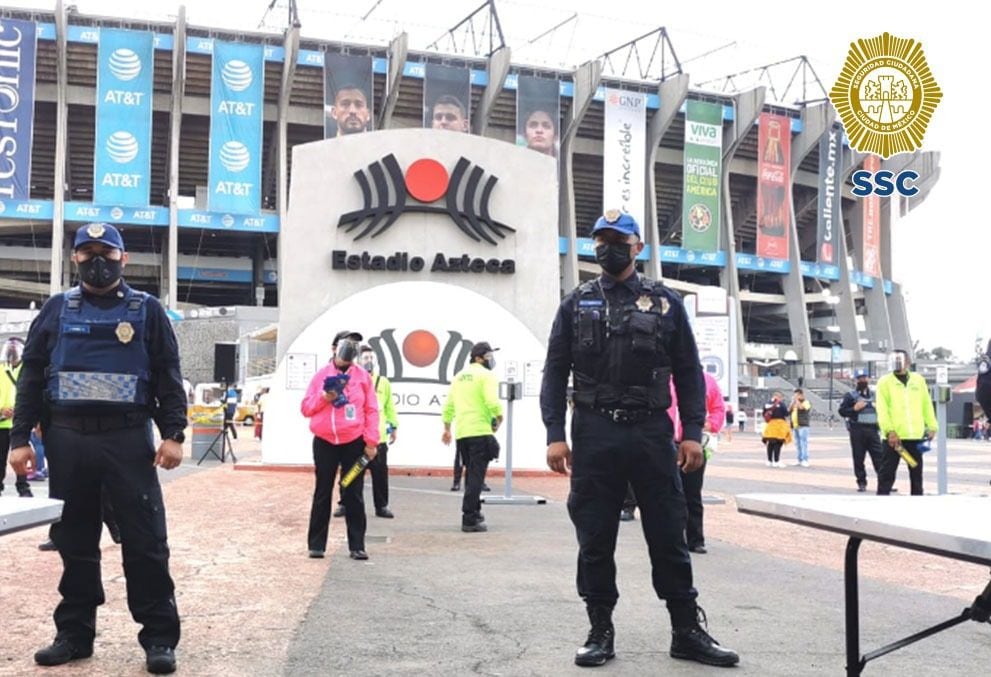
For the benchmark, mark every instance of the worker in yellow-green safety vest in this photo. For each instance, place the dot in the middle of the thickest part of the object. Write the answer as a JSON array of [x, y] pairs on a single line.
[[905, 417], [473, 405]]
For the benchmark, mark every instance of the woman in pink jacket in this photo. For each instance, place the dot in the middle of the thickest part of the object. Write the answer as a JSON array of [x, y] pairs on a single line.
[[345, 424], [715, 417]]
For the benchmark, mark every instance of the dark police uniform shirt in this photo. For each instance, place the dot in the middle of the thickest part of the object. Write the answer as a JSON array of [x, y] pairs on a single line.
[[681, 349], [169, 410]]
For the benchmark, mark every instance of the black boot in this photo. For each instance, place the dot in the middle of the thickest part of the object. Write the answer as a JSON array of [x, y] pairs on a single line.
[[690, 641], [599, 645]]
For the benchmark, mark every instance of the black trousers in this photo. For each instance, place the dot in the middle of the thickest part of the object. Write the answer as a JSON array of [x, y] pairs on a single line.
[[692, 482], [606, 457], [120, 463], [774, 449], [327, 458], [379, 468], [865, 439], [889, 468], [20, 481], [474, 452]]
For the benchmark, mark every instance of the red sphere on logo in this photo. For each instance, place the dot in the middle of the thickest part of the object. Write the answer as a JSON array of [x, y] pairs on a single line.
[[421, 348], [827, 251], [426, 180]]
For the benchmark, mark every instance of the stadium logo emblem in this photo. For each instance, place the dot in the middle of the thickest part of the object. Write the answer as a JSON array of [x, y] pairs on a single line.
[[124, 64], [227, 221], [420, 358], [236, 75], [885, 95], [234, 156], [466, 197], [122, 147], [116, 213]]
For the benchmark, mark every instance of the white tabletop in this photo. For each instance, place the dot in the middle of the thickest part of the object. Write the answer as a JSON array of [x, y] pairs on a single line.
[[18, 513], [957, 526]]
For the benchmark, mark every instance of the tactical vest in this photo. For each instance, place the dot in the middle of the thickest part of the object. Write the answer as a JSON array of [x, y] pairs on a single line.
[[867, 415], [100, 355], [618, 350]]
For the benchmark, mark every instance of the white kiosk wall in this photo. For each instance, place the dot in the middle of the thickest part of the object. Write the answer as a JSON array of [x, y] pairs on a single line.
[[419, 320]]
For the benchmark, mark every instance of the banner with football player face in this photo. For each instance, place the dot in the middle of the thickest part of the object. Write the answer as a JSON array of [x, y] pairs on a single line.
[[446, 98], [347, 95], [538, 114], [773, 186], [703, 163]]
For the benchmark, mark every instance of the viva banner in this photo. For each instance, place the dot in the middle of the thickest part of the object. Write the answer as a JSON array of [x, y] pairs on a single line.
[[18, 41], [236, 97], [830, 220], [773, 191], [124, 81], [872, 223], [703, 173], [624, 142]]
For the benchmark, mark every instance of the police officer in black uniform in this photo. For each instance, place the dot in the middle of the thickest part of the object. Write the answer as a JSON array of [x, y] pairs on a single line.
[[100, 364], [858, 409], [623, 336]]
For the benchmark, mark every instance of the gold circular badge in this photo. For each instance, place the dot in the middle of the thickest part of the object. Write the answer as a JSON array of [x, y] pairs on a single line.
[[612, 215], [885, 95], [96, 230], [125, 332]]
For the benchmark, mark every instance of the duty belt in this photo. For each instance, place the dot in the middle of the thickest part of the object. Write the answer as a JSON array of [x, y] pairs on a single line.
[[625, 415], [100, 424]]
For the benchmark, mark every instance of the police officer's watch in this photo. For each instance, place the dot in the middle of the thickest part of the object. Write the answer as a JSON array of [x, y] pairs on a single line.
[[178, 436]]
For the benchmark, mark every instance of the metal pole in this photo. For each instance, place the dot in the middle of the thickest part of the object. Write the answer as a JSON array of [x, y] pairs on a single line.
[[831, 383], [508, 492], [941, 445]]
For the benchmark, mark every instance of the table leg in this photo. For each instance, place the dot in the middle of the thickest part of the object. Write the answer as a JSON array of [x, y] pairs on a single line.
[[853, 663]]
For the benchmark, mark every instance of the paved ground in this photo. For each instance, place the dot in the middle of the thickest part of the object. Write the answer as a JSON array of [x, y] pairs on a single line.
[[434, 600]]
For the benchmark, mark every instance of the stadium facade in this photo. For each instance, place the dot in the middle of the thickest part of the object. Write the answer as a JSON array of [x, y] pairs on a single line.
[[805, 308]]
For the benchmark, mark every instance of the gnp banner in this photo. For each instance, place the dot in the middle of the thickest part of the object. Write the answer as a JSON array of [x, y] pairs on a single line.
[[624, 139], [347, 94], [830, 226], [872, 223], [538, 114], [236, 97], [773, 189], [703, 162], [18, 41], [122, 153], [446, 97]]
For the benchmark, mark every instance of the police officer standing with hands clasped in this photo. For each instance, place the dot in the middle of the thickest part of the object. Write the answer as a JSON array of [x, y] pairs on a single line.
[[623, 337], [100, 363]]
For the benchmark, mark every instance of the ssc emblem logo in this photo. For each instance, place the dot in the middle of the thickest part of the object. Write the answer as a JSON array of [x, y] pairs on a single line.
[[885, 95]]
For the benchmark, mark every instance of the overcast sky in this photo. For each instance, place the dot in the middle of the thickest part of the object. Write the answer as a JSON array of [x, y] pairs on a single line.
[[939, 246]]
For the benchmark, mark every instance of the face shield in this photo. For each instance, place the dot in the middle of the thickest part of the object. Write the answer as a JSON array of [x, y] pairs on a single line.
[[12, 352], [347, 350]]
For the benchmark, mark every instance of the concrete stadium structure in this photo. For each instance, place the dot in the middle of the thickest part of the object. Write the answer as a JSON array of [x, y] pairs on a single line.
[[791, 319]]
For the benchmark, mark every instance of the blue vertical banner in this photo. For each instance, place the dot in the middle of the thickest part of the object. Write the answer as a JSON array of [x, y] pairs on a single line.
[[122, 153], [236, 98], [18, 41]]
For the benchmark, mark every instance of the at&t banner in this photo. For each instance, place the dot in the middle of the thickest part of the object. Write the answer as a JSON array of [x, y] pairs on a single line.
[[703, 172], [17, 52], [124, 81], [236, 97]]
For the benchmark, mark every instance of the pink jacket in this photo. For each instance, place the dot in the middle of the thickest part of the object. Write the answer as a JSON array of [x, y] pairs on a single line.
[[715, 409], [358, 418]]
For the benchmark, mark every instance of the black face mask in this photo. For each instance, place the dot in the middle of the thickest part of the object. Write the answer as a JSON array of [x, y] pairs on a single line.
[[100, 272], [862, 386], [614, 258]]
